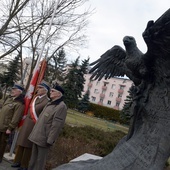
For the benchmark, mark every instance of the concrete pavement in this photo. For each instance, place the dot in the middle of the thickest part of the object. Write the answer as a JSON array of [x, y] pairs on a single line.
[[6, 165]]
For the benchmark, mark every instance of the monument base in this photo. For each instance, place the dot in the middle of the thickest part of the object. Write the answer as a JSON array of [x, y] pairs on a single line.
[[80, 162], [85, 157]]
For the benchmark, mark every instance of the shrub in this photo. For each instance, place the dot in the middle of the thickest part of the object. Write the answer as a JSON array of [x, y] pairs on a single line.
[[75, 141], [105, 112]]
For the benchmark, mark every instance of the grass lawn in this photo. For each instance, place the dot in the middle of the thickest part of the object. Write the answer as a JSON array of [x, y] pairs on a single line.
[[79, 137], [79, 119]]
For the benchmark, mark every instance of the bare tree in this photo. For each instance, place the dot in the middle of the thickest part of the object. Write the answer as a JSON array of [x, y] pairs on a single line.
[[26, 29], [14, 7]]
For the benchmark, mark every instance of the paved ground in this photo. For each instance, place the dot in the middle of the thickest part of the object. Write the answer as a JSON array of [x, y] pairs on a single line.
[[6, 165]]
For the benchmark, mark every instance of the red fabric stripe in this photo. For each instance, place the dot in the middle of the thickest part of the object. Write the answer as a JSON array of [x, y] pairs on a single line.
[[36, 79]]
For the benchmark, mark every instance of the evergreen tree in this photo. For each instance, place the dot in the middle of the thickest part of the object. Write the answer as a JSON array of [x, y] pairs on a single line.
[[56, 66], [70, 86], [74, 84], [84, 103], [12, 74], [125, 113], [80, 76]]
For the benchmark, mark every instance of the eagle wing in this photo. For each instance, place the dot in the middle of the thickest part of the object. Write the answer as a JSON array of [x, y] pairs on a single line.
[[157, 36], [110, 64]]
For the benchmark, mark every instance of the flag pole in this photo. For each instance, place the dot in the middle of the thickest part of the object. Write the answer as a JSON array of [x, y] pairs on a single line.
[[36, 66], [48, 31]]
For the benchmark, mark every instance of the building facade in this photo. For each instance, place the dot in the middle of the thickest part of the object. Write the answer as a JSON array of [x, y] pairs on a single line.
[[110, 93]]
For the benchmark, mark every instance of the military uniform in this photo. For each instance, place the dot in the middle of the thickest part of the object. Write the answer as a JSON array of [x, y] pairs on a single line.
[[46, 130], [24, 146], [10, 115]]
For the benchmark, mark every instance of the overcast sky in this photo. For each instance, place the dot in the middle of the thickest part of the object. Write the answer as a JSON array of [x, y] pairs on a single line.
[[115, 19]]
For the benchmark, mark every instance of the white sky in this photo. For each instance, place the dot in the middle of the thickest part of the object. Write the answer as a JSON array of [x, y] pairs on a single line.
[[115, 19]]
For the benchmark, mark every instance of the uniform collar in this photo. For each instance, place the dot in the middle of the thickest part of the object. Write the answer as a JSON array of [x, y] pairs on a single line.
[[56, 102], [41, 96]]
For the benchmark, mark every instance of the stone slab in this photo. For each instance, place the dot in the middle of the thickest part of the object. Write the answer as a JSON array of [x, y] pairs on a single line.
[[86, 156]]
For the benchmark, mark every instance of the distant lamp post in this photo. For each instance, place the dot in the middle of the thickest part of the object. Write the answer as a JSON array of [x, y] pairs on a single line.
[[27, 62]]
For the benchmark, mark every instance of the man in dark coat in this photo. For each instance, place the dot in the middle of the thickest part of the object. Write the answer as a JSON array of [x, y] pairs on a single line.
[[24, 146], [47, 128], [10, 115]]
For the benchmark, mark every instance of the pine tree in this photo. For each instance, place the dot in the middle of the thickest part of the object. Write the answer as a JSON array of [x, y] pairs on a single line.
[[83, 69], [74, 84], [125, 113], [84, 103], [56, 66], [70, 86], [12, 73]]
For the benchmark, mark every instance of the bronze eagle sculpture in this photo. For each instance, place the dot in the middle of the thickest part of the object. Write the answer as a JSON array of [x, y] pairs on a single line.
[[147, 144], [132, 62]]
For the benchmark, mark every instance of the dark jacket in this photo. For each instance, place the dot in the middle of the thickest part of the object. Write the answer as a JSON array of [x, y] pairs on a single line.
[[49, 124]]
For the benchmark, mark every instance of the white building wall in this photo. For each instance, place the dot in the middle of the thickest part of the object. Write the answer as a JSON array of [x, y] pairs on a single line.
[[110, 93]]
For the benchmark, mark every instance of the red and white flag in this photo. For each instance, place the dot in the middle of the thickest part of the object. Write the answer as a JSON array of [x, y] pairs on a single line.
[[37, 77], [32, 110]]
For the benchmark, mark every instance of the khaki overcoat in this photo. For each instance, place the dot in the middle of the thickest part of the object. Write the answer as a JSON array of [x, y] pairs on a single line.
[[49, 124], [29, 123], [11, 113]]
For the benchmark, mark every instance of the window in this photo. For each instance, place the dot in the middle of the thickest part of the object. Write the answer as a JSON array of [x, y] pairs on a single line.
[[96, 91], [124, 81], [93, 99], [103, 91], [111, 94], [105, 83], [113, 86], [122, 87], [101, 100], [97, 83], [109, 102], [119, 95]]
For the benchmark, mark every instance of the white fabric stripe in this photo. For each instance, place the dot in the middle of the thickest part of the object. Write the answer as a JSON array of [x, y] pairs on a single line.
[[33, 109]]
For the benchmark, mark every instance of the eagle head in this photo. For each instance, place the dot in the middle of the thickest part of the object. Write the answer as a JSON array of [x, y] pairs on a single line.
[[129, 41]]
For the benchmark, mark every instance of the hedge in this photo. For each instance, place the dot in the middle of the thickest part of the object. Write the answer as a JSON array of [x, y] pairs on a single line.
[[105, 112]]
